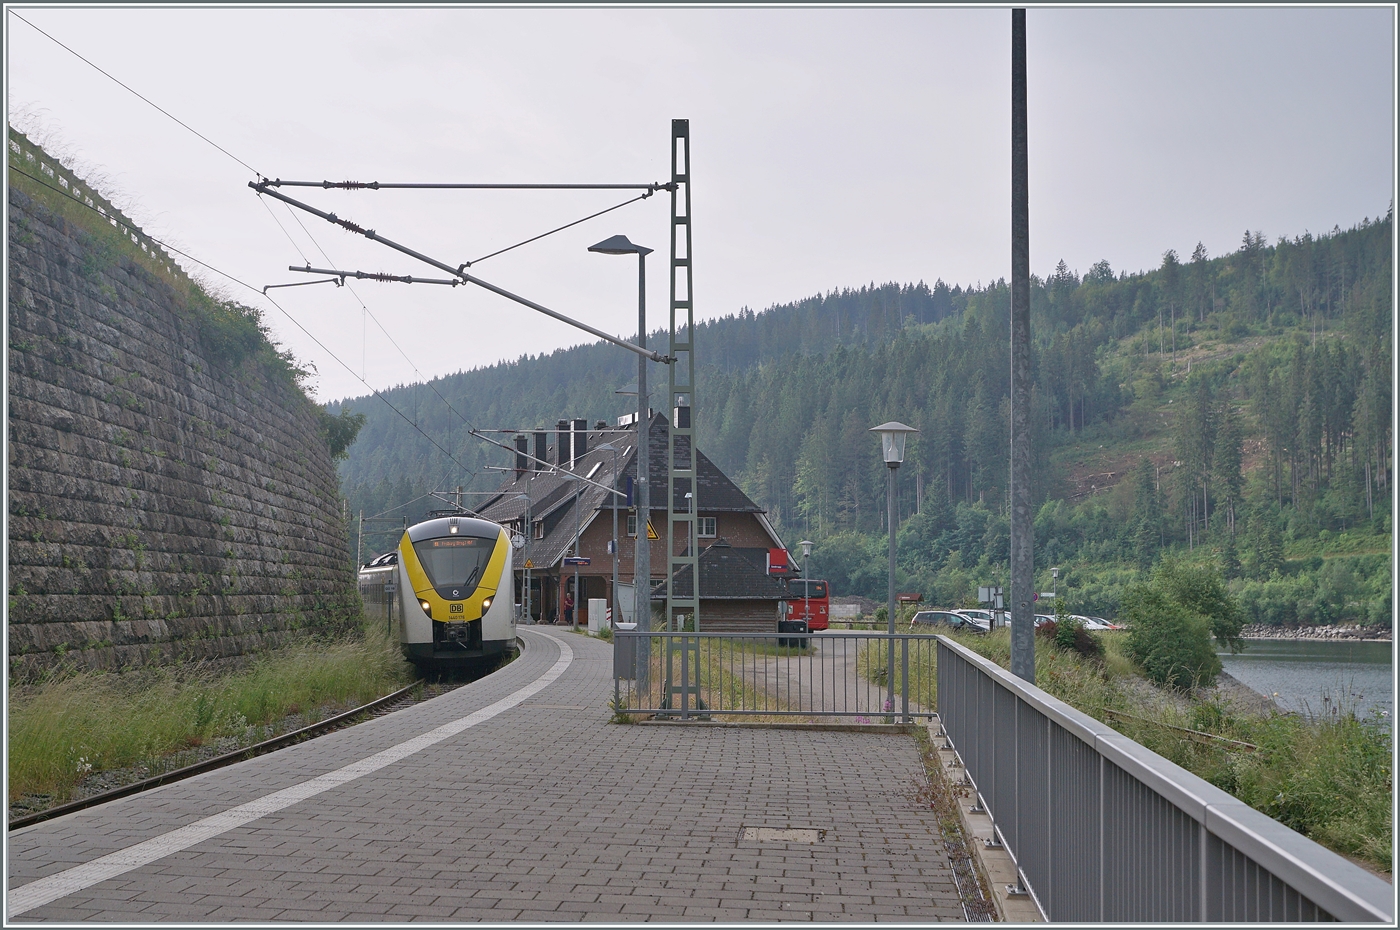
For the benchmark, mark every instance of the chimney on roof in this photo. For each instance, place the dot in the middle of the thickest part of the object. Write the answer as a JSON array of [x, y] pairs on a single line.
[[580, 438], [562, 444], [522, 452], [541, 450]]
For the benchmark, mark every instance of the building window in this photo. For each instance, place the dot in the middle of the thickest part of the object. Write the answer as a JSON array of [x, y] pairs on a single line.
[[539, 529], [631, 524], [707, 527]]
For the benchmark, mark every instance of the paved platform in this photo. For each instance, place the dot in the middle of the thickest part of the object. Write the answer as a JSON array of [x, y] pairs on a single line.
[[512, 798]]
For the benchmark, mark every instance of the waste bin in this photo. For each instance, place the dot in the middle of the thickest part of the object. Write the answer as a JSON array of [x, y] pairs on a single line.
[[792, 626], [624, 650]]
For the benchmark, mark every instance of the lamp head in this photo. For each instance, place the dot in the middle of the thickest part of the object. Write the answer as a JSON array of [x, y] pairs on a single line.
[[619, 245], [892, 436], [806, 545]]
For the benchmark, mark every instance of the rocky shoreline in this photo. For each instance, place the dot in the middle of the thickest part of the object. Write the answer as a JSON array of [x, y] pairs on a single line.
[[1349, 631]]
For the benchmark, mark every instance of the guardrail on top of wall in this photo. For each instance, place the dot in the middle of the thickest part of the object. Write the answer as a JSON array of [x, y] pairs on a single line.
[[44, 166], [1103, 829]]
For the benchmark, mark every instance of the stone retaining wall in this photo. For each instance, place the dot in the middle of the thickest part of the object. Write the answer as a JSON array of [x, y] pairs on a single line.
[[162, 506]]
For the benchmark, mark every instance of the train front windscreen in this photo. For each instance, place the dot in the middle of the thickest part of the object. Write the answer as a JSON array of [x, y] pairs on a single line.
[[455, 563]]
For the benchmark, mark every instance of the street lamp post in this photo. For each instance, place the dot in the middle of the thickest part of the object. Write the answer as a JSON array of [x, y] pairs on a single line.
[[806, 545], [641, 571], [641, 564], [525, 558], [892, 437], [578, 532], [616, 604]]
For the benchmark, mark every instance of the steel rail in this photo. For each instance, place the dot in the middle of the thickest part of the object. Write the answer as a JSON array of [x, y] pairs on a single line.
[[653, 187], [262, 187], [198, 768]]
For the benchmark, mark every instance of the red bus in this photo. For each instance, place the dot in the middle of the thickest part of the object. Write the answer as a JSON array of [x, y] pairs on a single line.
[[811, 602]]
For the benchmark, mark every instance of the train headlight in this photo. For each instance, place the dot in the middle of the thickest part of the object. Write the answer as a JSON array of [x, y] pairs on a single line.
[[485, 605], [427, 608]]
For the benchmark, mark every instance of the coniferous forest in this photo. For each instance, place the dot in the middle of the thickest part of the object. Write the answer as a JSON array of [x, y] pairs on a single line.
[[1234, 408]]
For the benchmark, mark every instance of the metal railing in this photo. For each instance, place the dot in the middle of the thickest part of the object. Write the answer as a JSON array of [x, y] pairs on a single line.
[[811, 675], [1103, 829]]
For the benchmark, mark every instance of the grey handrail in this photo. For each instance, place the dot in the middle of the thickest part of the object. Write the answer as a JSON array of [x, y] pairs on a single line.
[[1091, 836]]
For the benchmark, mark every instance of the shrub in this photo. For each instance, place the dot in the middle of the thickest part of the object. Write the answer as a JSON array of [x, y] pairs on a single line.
[[1170, 641], [1201, 590]]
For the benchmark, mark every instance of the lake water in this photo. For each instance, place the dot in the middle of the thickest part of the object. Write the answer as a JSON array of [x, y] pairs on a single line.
[[1301, 675]]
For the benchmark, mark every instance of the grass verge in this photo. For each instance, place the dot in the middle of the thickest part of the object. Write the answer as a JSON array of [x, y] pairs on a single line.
[[1328, 777], [71, 726]]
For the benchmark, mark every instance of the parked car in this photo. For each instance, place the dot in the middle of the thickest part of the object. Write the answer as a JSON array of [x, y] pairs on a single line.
[[1094, 623], [987, 618], [1042, 619], [948, 618], [982, 623]]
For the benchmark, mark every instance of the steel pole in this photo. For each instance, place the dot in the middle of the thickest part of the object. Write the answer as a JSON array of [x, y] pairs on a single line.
[[1022, 541], [616, 604], [889, 606], [641, 566], [578, 531]]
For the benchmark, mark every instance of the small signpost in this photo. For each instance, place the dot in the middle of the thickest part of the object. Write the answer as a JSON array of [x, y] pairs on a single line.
[[577, 560]]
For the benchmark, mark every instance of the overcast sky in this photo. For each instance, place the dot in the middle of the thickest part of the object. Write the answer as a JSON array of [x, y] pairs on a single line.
[[831, 148]]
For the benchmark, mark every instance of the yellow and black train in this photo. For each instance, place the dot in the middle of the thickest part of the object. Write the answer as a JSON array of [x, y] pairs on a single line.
[[447, 592]]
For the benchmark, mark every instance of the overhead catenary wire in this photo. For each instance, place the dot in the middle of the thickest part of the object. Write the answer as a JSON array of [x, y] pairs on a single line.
[[136, 93], [255, 171], [370, 314], [649, 188], [284, 312], [592, 216], [263, 188]]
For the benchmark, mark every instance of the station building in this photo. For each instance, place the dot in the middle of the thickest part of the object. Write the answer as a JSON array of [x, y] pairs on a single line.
[[547, 505]]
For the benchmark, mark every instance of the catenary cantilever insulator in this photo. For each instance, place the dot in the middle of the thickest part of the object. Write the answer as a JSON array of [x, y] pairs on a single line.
[[391, 185], [370, 276], [263, 187]]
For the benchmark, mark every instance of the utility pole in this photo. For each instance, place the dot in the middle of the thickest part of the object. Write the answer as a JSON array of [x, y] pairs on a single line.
[[1022, 542]]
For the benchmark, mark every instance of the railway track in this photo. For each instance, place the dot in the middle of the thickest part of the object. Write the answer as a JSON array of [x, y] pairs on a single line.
[[405, 697]]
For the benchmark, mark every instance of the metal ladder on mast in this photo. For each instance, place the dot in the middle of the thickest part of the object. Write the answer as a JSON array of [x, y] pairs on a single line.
[[682, 657]]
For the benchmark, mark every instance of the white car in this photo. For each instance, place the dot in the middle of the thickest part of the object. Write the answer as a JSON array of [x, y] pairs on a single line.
[[1097, 623]]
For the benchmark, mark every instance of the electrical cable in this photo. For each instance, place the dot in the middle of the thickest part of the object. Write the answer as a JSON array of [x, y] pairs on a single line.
[[255, 171], [370, 314], [649, 190], [145, 99], [560, 229], [284, 229], [284, 312]]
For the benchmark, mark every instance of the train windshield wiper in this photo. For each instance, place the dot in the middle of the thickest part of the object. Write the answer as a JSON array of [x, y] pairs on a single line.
[[472, 577]]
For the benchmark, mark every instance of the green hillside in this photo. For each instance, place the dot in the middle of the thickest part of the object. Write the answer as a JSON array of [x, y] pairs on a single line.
[[1236, 408]]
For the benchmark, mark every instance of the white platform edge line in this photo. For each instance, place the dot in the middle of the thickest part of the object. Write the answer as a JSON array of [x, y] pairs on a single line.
[[50, 888]]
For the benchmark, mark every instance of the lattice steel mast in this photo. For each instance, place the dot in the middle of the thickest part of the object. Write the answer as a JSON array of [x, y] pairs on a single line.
[[681, 487]]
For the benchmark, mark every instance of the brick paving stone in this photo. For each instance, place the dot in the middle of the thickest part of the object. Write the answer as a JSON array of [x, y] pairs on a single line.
[[535, 827]]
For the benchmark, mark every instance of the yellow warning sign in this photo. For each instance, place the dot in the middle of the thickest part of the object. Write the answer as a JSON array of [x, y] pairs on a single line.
[[529, 563], [651, 533]]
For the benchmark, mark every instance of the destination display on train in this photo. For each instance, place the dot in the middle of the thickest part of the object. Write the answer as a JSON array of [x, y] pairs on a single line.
[[459, 541]]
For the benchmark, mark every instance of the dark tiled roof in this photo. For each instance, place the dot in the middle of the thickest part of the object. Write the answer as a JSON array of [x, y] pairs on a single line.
[[727, 573], [552, 496]]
